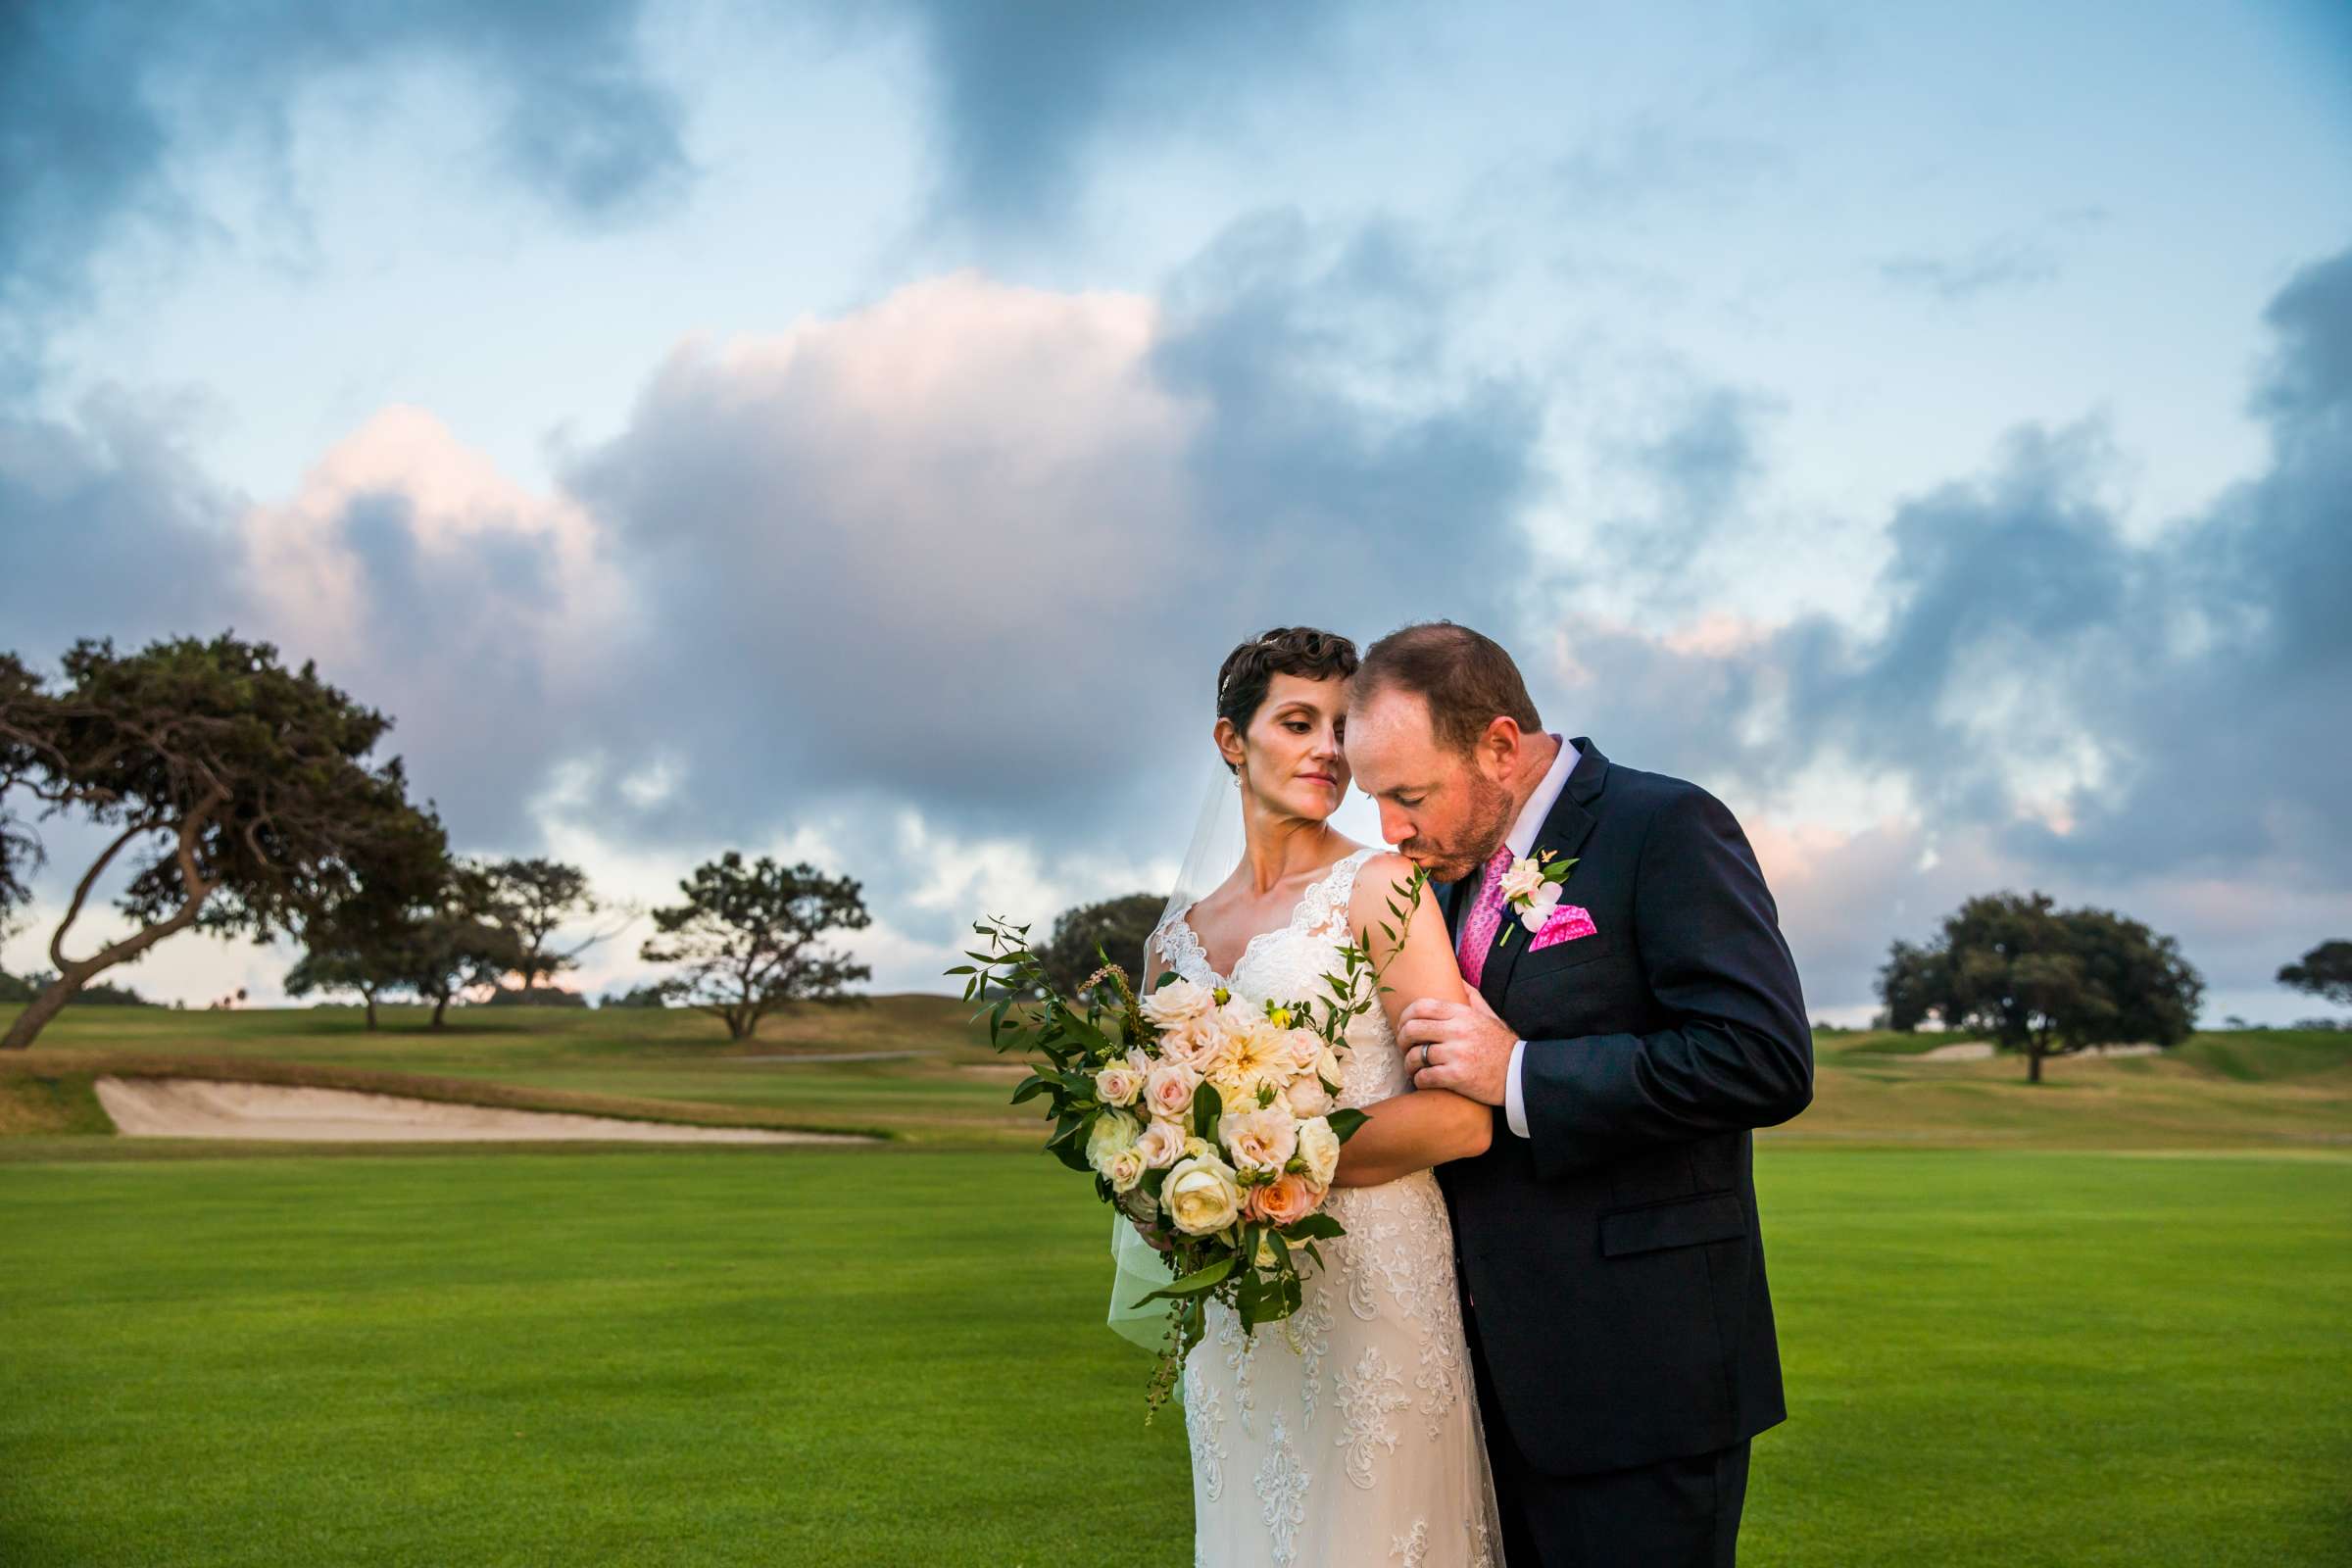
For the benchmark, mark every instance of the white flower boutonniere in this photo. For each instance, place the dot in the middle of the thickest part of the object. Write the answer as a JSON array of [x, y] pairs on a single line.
[[1532, 887]]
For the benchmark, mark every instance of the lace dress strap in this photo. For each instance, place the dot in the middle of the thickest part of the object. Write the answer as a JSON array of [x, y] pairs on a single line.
[[1177, 947], [1326, 902]]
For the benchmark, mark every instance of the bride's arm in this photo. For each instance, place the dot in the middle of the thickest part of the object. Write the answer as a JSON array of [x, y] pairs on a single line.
[[1421, 1127]]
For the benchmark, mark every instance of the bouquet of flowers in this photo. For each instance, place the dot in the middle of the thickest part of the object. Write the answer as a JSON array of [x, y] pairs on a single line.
[[1207, 1119]]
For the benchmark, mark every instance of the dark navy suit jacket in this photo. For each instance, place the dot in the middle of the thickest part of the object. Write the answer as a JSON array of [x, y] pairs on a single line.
[[1613, 1258]]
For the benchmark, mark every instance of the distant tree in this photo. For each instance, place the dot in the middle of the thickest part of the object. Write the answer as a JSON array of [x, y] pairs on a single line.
[[26, 986], [2326, 971], [372, 975], [362, 942], [106, 993], [535, 997], [453, 942], [747, 939], [241, 782], [1914, 982], [646, 996], [1118, 926], [2043, 981], [535, 898]]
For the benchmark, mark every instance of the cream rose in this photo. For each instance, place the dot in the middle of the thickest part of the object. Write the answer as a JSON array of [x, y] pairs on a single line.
[[1201, 1196], [1327, 1066], [1319, 1146], [1113, 1134], [1260, 1140], [1125, 1169], [1305, 1097], [1118, 1083], [1161, 1145], [1176, 1002], [1168, 1089], [1305, 1048]]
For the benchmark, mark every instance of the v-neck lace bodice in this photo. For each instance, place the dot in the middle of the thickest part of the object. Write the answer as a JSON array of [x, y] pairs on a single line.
[[1320, 909]]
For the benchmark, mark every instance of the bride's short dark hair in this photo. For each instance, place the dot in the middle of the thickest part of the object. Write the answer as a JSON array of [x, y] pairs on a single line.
[[1251, 668]]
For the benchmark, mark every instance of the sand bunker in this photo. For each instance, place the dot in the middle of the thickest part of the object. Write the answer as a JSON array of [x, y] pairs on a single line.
[[204, 1107], [1982, 1050]]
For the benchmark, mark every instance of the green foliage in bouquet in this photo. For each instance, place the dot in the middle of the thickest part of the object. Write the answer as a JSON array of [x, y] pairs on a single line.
[[1228, 1183]]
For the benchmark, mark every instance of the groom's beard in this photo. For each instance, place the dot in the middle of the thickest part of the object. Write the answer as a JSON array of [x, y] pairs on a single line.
[[1488, 825]]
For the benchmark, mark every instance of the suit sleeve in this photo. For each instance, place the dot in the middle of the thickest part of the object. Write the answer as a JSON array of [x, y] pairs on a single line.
[[1739, 1051]]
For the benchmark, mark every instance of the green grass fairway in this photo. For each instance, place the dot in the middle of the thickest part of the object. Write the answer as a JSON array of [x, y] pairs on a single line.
[[881, 1356]]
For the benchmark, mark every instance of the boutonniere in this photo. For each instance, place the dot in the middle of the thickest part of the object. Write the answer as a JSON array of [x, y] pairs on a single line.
[[1532, 887]]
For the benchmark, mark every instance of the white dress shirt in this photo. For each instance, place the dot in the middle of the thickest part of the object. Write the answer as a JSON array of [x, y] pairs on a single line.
[[1521, 842]]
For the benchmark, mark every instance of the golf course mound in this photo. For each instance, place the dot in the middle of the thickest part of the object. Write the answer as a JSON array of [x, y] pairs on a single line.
[[208, 1107]]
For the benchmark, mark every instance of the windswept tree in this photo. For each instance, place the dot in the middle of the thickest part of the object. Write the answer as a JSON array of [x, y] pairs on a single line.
[[240, 783], [19, 849], [2326, 971], [2043, 981], [536, 899], [1118, 927], [747, 939]]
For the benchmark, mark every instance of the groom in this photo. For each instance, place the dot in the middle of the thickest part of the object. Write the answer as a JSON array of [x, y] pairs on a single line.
[[1607, 1243]]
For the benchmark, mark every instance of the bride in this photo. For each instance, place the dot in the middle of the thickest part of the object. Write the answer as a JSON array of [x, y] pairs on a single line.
[[1347, 1435]]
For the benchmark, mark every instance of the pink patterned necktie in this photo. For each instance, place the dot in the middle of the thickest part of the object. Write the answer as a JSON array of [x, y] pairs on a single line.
[[1485, 918]]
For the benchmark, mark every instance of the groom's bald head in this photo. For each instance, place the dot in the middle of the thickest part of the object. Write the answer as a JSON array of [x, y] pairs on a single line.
[[1436, 719]]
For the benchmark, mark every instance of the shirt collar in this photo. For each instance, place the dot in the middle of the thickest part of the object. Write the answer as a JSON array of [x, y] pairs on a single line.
[[1522, 839]]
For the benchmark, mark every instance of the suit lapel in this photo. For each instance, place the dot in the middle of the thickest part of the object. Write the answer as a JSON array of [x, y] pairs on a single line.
[[1564, 832]]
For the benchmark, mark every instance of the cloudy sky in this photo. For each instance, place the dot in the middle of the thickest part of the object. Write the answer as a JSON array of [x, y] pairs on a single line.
[[857, 431]]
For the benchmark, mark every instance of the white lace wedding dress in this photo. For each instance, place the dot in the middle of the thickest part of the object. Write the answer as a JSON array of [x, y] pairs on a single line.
[[1348, 1435]]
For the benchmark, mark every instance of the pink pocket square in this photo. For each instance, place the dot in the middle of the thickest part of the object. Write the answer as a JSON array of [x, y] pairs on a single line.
[[1567, 924]]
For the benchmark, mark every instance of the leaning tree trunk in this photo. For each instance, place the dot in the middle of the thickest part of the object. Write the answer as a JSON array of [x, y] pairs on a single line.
[[39, 1010], [72, 976], [440, 1007], [371, 996], [2032, 1064]]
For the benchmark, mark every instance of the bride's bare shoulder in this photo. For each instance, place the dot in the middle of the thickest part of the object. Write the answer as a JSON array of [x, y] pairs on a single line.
[[1380, 881]]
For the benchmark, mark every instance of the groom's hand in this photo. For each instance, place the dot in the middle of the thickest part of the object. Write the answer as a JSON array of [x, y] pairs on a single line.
[[1458, 1045]]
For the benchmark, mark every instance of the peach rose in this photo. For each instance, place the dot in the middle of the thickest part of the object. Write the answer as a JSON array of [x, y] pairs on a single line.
[[1285, 1200]]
